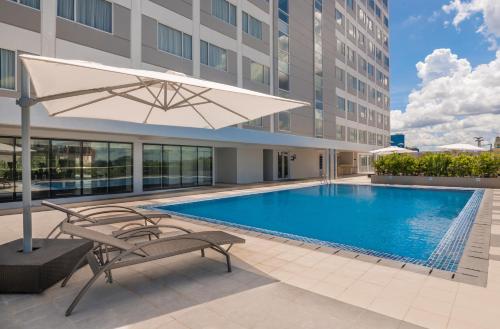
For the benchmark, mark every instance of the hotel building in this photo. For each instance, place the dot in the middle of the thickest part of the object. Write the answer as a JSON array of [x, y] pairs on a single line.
[[333, 54]]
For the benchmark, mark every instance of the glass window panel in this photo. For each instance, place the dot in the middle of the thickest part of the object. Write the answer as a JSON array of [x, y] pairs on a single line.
[[66, 9], [282, 41], [232, 14], [204, 166], [217, 58], [283, 5], [187, 46], [95, 13], [284, 82], [255, 27], [171, 166], [189, 165], [245, 22], [31, 3], [120, 168], [95, 167], [169, 40], [152, 167], [204, 52], [7, 169], [7, 69], [65, 168], [284, 121]]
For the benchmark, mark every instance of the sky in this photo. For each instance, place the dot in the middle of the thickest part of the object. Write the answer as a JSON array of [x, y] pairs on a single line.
[[445, 70]]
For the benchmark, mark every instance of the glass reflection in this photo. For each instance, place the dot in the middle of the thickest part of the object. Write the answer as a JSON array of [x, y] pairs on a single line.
[[120, 168], [204, 166], [95, 167], [151, 168], [171, 166], [6, 169], [189, 165], [65, 168]]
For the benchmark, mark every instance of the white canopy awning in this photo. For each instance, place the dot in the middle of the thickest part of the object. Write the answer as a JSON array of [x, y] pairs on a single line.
[[461, 148], [391, 150], [73, 88]]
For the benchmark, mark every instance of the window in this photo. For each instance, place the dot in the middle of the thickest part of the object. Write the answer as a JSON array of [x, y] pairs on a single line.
[[174, 42], [386, 21], [259, 73], [351, 107], [371, 48], [386, 41], [340, 132], [353, 83], [169, 166], [386, 61], [340, 76], [351, 30], [351, 55], [362, 112], [30, 3], [341, 48], [224, 10], [378, 12], [362, 137], [340, 104], [62, 168], [371, 4], [372, 138], [252, 26], [361, 40], [361, 87], [94, 13], [7, 69], [363, 65], [213, 56], [379, 140], [352, 135], [369, 24], [283, 52], [339, 18], [371, 70], [350, 4], [284, 121], [362, 16], [255, 123]]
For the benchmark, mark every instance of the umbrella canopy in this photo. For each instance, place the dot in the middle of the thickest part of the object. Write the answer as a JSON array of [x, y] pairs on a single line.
[[461, 148], [72, 88], [391, 150]]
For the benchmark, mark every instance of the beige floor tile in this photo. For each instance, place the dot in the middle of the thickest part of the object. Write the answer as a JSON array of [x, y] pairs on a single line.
[[361, 293], [380, 275], [426, 319], [432, 305], [394, 307], [328, 289], [438, 294]]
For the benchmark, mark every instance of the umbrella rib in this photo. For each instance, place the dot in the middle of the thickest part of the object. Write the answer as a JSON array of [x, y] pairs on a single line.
[[137, 99], [219, 105], [149, 90], [201, 115], [173, 96], [95, 101], [151, 109], [88, 91], [183, 105], [185, 100]]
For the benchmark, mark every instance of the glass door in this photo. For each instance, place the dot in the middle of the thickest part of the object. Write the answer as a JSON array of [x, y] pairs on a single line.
[[365, 164], [283, 165]]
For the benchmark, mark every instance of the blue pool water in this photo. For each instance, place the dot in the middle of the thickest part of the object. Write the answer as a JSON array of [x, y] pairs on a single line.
[[400, 223]]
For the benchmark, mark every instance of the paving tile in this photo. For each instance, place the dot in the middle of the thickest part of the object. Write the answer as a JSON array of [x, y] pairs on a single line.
[[426, 319]]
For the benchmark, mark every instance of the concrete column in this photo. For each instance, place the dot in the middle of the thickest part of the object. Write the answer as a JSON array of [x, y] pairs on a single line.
[[239, 46], [271, 68], [136, 33], [48, 10], [137, 153], [196, 38]]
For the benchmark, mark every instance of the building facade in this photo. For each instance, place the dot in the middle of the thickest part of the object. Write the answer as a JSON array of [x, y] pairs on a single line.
[[333, 54]]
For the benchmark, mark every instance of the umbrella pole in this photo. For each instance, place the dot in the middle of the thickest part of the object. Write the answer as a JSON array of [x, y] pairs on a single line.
[[24, 102]]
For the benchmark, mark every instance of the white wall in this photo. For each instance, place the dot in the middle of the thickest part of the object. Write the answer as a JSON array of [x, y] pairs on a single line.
[[250, 165], [306, 164]]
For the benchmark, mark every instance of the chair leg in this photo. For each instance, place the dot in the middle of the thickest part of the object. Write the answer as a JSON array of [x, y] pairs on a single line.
[[82, 292], [76, 267], [202, 252], [228, 260]]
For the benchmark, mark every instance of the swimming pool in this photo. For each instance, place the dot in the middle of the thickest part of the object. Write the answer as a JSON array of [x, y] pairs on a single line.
[[422, 226]]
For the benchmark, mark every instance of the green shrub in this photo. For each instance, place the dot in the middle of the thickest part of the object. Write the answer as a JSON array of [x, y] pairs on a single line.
[[439, 164]]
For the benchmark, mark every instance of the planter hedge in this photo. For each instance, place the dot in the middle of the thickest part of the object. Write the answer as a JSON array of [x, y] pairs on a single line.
[[439, 165]]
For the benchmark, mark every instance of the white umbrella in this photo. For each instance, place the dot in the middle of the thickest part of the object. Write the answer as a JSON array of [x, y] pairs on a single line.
[[461, 148], [391, 150], [72, 88]]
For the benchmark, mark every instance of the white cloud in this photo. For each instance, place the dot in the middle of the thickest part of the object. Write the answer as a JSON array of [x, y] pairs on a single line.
[[490, 11], [454, 103]]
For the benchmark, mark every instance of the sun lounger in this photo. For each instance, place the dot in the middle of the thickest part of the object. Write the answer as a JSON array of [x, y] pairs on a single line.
[[111, 214], [110, 252]]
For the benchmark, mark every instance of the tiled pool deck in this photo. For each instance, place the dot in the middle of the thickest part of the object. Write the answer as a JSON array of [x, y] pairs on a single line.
[[274, 285]]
